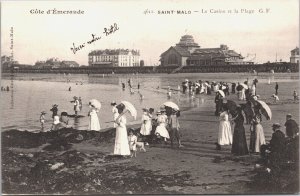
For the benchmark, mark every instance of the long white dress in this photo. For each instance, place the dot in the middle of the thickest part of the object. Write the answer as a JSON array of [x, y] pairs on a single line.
[[94, 121], [121, 141], [115, 115], [225, 134], [161, 128], [146, 124]]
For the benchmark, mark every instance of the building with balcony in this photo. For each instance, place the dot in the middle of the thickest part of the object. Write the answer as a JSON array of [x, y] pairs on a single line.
[[114, 58], [187, 52], [294, 55]]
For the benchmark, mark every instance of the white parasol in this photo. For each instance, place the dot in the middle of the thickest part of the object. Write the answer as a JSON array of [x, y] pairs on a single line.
[[171, 105], [95, 103], [265, 109], [129, 107], [221, 93], [244, 85]]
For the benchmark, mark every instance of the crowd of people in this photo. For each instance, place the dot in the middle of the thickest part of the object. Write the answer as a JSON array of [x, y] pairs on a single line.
[[164, 126]]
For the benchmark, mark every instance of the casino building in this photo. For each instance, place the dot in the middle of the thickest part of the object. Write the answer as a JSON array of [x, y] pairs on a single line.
[[187, 52], [114, 58]]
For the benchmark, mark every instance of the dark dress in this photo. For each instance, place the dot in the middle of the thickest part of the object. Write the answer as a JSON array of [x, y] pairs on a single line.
[[239, 143]]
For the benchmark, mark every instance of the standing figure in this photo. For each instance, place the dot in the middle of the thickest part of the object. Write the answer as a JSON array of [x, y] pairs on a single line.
[[276, 88], [173, 124], [123, 86], [121, 141], [76, 105], [146, 125], [257, 137], [132, 140], [115, 112], [70, 89], [42, 120], [225, 134], [54, 110], [161, 130], [233, 85], [239, 143], [296, 97], [138, 86], [292, 128], [80, 103], [253, 89], [219, 103], [94, 124]]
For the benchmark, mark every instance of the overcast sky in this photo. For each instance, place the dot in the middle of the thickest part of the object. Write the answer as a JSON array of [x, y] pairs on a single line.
[[41, 36]]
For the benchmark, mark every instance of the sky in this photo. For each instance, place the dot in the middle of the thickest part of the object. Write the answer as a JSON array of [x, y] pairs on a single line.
[[39, 37]]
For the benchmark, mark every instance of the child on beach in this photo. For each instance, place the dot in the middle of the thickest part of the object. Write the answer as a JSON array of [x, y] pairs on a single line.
[[133, 143], [55, 124], [296, 97], [275, 98], [42, 120]]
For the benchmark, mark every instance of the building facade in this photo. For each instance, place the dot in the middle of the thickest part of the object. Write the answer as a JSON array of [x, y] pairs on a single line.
[[187, 52], [114, 58], [294, 55]]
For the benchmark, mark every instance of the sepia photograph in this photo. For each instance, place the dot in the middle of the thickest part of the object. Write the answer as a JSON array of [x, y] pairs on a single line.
[[149, 97]]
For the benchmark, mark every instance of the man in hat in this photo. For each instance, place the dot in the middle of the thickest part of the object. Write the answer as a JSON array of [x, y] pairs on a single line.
[[277, 143], [54, 110], [292, 128]]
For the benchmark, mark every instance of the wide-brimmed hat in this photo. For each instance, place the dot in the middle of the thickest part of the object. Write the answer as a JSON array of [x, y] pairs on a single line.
[[276, 125], [75, 97], [289, 115], [113, 103], [55, 105], [43, 112]]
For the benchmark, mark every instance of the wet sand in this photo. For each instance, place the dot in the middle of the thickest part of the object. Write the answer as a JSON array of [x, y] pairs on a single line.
[[80, 162]]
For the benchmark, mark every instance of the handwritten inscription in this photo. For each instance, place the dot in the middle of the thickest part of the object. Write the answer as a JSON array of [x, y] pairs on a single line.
[[107, 31]]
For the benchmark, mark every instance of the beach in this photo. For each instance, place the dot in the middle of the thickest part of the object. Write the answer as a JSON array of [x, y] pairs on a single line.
[[75, 161]]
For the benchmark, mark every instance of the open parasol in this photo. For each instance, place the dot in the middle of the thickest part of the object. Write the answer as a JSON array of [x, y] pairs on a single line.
[[221, 93], [95, 103], [244, 86], [265, 109], [171, 105], [130, 108]]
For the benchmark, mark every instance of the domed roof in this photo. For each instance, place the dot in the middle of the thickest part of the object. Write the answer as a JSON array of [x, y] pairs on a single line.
[[187, 40]]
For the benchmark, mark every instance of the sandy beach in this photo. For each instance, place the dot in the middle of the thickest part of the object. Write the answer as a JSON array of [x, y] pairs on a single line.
[[80, 162]]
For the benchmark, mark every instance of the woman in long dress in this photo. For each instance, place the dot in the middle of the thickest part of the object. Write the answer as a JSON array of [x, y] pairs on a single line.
[[121, 140], [146, 125], [258, 137], [161, 129], [225, 134], [94, 124], [115, 112], [239, 143]]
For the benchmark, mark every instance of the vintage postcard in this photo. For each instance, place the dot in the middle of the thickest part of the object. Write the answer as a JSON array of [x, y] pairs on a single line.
[[149, 97]]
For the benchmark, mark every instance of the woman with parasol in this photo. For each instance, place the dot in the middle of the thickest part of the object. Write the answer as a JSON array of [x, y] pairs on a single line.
[[95, 106], [239, 143], [121, 141]]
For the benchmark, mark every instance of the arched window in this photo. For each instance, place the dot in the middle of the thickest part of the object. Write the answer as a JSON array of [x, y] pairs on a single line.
[[172, 59]]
